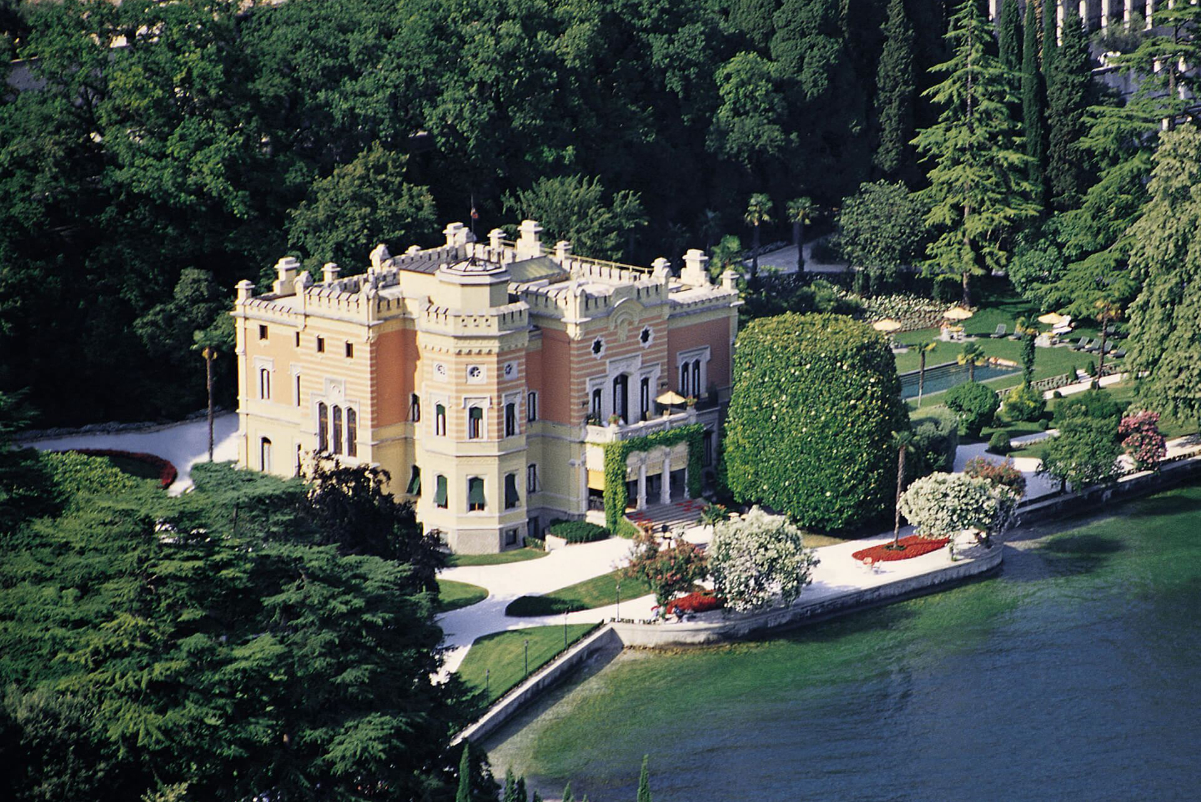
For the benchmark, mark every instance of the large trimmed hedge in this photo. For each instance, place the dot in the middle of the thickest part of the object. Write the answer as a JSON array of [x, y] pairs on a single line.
[[816, 398]]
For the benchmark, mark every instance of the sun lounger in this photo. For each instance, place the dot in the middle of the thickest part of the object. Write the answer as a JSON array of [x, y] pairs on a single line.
[[999, 333], [1080, 344], [1118, 354], [1094, 346]]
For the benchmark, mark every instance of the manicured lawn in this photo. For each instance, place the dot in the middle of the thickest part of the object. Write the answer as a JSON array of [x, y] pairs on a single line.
[[589, 594], [514, 556], [453, 595], [496, 662]]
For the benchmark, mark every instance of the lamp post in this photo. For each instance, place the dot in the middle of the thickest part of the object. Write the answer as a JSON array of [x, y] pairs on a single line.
[[487, 679], [618, 600], [564, 629], [527, 656]]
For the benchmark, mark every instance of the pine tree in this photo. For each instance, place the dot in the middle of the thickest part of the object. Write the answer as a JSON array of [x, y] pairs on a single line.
[[464, 792], [568, 796], [1033, 106], [977, 190], [510, 792], [1068, 98], [1009, 34], [644, 781], [895, 92]]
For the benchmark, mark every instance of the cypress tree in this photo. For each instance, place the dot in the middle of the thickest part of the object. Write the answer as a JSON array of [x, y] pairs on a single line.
[[1068, 97], [895, 91], [1009, 34], [568, 796], [644, 781], [464, 792], [1033, 107]]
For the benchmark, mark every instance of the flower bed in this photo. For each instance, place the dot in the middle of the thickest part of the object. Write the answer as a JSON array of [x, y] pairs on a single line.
[[166, 471], [701, 602], [914, 547]]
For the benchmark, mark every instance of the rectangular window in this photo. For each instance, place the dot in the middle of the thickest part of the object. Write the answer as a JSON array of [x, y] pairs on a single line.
[[510, 419], [321, 345], [510, 537], [297, 389], [350, 350], [297, 339], [707, 456], [337, 427], [322, 428], [531, 407], [475, 423], [299, 460], [414, 488], [415, 408], [440, 492], [352, 433], [533, 527], [440, 420], [597, 402], [512, 499], [265, 384], [475, 494], [531, 478], [262, 332]]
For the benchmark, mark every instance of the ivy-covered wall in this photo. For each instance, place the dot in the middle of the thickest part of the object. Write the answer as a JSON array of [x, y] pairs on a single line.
[[616, 454]]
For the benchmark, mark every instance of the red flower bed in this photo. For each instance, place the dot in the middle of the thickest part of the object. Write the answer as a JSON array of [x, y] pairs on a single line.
[[914, 547], [695, 603], [166, 471]]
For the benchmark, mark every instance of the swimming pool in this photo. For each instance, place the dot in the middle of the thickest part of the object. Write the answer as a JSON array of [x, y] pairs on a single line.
[[947, 375]]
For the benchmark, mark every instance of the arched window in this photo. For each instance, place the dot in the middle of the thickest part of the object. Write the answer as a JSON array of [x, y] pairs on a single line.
[[597, 402], [531, 478], [265, 384], [510, 419], [684, 373], [440, 420], [696, 378], [322, 428], [415, 408], [621, 397], [512, 499], [475, 423], [352, 433], [440, 491], [644, 398], [475, 494], [265, 455], [531, 406], [337, 427]]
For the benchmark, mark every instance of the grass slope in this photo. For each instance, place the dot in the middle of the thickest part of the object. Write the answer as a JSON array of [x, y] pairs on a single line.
[[513, 556], [496, 662], [587, 595], [453, 595]]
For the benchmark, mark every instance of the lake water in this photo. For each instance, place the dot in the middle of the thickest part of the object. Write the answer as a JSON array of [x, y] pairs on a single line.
[[1074, 673]]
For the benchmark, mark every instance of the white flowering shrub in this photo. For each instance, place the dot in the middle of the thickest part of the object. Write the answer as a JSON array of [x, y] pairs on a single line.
[[758, 559], [941, 504]]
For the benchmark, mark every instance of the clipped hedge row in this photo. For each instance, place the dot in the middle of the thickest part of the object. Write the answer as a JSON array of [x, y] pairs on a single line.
[[166, 471], [578, 531]]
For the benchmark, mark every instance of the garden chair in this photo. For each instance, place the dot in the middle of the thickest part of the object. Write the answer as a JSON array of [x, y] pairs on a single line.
[[999, 333]]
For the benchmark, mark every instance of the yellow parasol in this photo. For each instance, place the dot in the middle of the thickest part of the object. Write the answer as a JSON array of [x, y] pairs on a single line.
[[887, 325], [1051, 319], [670, 399], [957, 313]]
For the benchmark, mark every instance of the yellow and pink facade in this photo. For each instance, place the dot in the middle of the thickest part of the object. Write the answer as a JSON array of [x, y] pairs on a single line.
[[485, 377]]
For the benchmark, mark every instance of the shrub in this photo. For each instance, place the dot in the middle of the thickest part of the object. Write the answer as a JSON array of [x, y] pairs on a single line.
[[166, 471], [714, 513], [1044, 424], [948, 289], [1086, 450], [1091, 368], [669, 571], [935, 440], [816, 398], [1024, 403], [942, 504], [974, 404], [998, 474], [626, 528], [999, 443], [758, 559], [1139, 433], [699, 602], [536, 543], [577, 531]]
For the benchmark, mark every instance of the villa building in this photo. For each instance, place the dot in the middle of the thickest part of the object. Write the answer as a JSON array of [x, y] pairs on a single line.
[[486, 378]]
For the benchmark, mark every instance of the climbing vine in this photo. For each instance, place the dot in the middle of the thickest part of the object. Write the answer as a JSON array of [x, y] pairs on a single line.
[[618, 451]]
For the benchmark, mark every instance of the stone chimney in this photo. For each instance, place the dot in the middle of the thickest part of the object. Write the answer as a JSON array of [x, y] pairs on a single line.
[[245, 290], [529, 242], [562, 250], [694, 273], [379, 256], [329, 272], [458, 234], [729, 280], [661, 268], [285, 274], [495, 237]]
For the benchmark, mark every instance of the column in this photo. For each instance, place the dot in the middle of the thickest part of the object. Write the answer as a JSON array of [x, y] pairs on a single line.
[[994, 9], [665, 484], [642, 486], [686, 481], [1148, 11], [1059, 15], [1127, 12], [1106, 10]]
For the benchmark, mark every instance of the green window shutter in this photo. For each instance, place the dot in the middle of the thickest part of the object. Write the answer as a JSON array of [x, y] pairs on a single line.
[[475, 491], [415, 482], [440, 492], [511, 497]]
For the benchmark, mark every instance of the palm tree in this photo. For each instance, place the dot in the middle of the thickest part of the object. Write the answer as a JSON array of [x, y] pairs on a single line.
[[1106, 311], [971, 355], [902, 442], [211, 343], [923, 348], [800, 214], [758, 211], [709, 224]]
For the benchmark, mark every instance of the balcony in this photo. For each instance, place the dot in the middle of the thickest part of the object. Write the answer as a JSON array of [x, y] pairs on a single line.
[[620, 431]]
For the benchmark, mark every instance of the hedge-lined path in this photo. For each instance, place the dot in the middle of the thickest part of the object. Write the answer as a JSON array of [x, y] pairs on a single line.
[[181, 444]]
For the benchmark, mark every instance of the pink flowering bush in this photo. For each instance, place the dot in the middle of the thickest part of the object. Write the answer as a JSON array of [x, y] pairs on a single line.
[[1140, 438]]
